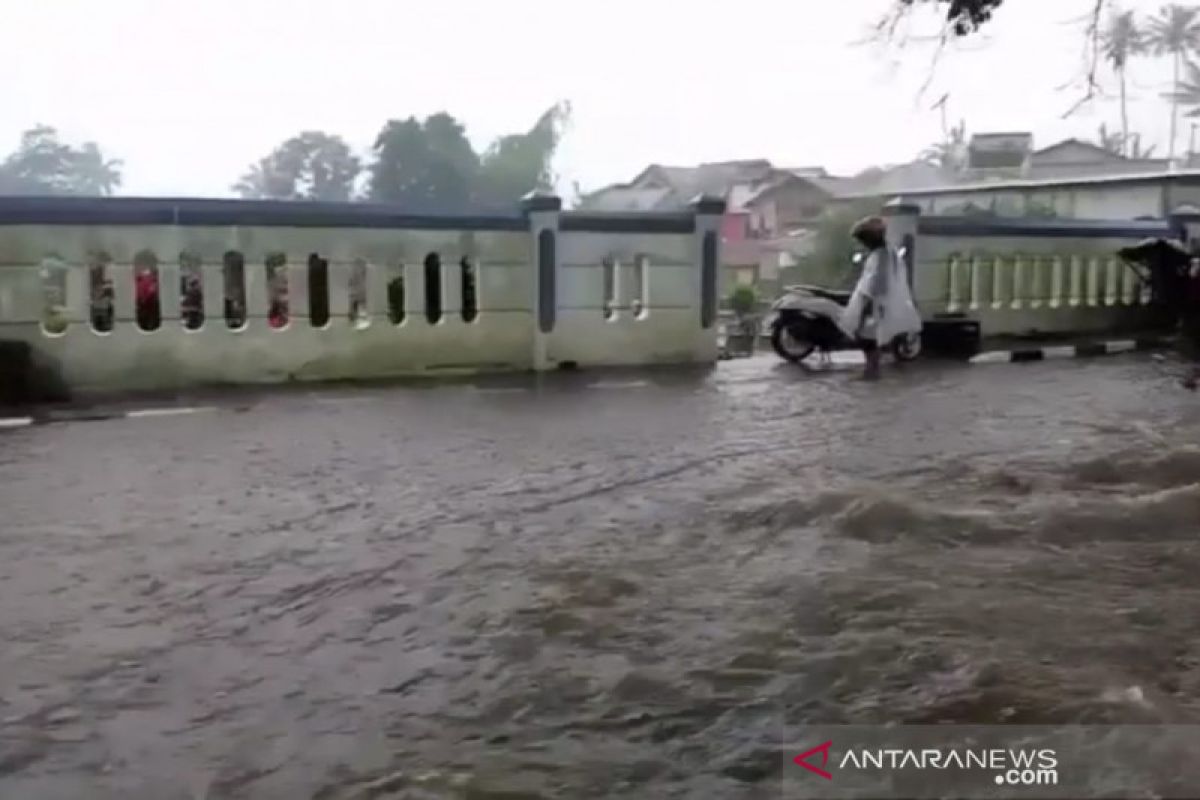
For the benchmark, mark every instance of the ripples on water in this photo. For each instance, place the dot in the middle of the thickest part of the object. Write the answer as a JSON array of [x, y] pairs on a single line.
[[569, 594]]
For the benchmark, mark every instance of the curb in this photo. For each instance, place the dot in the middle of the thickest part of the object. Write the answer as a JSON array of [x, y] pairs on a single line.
[[1087, 350], [88, 416]]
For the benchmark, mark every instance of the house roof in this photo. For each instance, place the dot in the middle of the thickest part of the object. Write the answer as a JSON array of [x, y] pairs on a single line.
[[1078, 143], [715, 178], [765, 190], [622, 197], [1188, 176]]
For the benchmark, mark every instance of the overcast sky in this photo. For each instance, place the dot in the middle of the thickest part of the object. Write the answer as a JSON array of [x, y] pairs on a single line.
[[189, 93]]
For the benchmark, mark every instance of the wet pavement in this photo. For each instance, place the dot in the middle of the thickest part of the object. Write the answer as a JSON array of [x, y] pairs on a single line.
[[585, 586]]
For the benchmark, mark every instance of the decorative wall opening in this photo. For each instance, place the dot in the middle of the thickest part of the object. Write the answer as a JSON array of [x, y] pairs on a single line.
[[433, 288], [470, 297], [610, 288], [279, 310], [359, 316], [191, 291], [233, 272], [100, 290], [395, 295], [318, 290], [54, 295], [708, 280], [147, 299], [640, 284]]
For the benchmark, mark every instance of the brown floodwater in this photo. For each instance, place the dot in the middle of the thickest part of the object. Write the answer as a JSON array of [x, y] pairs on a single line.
[[588, 586]]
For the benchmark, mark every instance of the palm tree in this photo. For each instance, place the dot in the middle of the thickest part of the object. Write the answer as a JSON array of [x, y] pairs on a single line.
[[949, 152], [1112, 141], [1175, 31], [1187, 93], [1122, 40]]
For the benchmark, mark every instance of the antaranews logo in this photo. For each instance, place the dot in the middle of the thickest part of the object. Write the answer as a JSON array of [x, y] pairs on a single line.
[[823, 749], [1014, 767]]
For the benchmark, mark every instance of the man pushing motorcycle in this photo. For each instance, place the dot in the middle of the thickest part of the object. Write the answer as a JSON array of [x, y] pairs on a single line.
[[881, 306]]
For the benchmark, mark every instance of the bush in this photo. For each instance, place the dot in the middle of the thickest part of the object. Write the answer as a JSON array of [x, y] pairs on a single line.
[[830, 262], [743, 300]]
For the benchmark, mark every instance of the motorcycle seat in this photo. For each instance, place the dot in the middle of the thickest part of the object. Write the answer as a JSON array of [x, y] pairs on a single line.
[[841, 298]]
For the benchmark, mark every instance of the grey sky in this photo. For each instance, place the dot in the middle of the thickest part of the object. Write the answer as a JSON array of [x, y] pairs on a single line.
[[188, 93]]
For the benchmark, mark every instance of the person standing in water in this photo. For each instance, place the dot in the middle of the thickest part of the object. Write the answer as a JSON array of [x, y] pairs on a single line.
[[881, 306]]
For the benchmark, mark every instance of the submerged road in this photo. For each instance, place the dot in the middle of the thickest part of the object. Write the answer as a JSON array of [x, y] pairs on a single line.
[[618, 586]]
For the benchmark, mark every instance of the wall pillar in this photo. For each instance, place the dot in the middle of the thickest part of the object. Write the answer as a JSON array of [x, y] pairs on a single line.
[[1185, 226], [708, 211], [543, 212], [902, 221]]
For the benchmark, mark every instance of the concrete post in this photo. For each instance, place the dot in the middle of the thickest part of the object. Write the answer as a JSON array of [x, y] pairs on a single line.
[[903, 220], [543, 212], [1185, 226], [708, 211]]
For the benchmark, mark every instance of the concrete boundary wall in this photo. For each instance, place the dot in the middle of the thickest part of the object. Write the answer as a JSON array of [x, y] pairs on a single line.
[[369, 292], [1028, 277]]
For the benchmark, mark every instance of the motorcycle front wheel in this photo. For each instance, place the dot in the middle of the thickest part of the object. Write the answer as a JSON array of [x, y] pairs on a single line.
[[789, 347], [907, 347]]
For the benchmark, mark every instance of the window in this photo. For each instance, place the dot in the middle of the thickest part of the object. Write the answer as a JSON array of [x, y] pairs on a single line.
[[146, 291], [278, 301], [359, 316], [395, 296], [233, 270], [470, 303], [54, 295], [191, 291], [433, 288], [318, 290], [640, 279], [610, 288], [101, 291]]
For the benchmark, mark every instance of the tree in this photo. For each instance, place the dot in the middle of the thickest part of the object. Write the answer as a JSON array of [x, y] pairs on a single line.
[[1175, 31], [950, 153], [42, 165], [428, 166], [1122, 40], [963, 16], [310, 166], [1187, 91], [830, 260], [1112, 141], [523, 162]]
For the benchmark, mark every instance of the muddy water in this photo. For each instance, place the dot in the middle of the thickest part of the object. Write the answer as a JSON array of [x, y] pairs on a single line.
[[636, 589]]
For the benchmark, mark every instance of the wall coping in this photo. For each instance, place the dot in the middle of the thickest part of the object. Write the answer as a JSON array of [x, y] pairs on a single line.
[[30, 210], [1050, 228]]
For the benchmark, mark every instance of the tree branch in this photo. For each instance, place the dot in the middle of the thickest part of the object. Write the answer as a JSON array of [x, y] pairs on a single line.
[[1091, 58]]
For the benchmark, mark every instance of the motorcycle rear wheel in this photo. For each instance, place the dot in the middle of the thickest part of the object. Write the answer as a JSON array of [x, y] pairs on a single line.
[[788, 347]]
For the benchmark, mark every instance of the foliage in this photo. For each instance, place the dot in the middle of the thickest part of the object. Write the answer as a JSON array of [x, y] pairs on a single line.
[[43, 165], [427, 165], [963, 16], [1121, 40], [1187, 91], [1175, 32], [830, 261], [951, 152], [743, 300], [310, 166], [519, 163], [431, 164]]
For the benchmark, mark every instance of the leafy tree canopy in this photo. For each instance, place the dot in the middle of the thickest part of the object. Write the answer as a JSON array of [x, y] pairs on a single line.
[[310, 166], [42, 165]]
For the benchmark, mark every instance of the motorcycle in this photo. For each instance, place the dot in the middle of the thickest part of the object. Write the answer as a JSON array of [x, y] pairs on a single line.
[[804, 321]]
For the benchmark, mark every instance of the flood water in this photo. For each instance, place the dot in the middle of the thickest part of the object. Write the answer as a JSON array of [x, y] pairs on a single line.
[[616, 586]]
